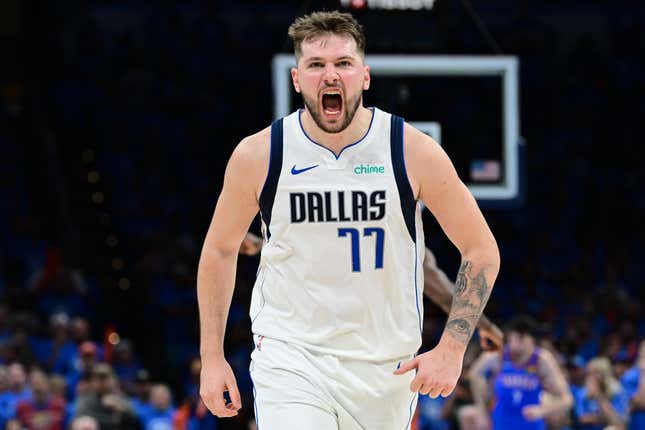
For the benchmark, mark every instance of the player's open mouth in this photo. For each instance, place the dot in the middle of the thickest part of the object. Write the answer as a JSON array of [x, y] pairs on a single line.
[[332, 103]]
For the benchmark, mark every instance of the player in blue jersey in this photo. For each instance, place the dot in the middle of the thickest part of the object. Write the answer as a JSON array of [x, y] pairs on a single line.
[[337, 308], [515, 378]]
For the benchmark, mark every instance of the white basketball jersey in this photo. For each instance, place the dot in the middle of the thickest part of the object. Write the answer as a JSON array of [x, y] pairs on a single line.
[[341, 267]]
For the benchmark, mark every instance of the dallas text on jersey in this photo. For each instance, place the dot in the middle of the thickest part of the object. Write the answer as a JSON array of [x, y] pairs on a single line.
[[330, 206]]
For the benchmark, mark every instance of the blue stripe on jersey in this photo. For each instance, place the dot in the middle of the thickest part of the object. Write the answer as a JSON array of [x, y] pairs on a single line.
[[408, 203], [267, 196], [416, 289]]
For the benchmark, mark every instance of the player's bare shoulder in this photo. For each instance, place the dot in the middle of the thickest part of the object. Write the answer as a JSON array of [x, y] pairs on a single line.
[[251, 158], [254, 148], [547, 361], [425, 160]]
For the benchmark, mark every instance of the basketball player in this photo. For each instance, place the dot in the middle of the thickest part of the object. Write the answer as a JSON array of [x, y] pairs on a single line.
[[516, 377], [436, 286], [336, 309]]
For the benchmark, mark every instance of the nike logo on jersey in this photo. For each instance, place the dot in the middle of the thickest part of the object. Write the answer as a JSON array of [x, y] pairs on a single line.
[[295, 171]]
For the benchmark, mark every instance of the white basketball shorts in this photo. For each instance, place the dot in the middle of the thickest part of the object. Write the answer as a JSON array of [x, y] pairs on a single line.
[[297, 389]]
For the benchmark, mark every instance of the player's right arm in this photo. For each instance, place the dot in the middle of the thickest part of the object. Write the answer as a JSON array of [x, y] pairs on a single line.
[[441, 290], [485, 365], [236, 207]]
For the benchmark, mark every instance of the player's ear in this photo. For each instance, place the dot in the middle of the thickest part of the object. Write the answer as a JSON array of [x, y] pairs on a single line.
[[294, 78], [367, 78]]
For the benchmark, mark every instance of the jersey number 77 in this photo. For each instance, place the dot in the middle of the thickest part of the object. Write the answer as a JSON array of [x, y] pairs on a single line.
[[354, 235]]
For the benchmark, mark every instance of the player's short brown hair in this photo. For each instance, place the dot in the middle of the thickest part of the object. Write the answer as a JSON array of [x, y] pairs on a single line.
[[319, 23]]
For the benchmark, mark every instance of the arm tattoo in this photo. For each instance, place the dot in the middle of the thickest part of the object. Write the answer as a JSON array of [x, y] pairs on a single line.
[[462, 281], [471, 294]]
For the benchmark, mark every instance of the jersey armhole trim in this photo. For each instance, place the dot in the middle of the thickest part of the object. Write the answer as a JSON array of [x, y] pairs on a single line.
[[267, 196], [408, 202]]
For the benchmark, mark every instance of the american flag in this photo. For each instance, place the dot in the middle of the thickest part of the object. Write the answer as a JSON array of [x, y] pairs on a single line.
[[484, 170]]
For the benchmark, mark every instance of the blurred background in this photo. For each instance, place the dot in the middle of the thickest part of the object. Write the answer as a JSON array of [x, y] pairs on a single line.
[[116, 122]]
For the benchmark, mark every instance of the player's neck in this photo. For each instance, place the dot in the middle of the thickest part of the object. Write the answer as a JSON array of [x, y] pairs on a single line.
[[522, 359], [337, 141]]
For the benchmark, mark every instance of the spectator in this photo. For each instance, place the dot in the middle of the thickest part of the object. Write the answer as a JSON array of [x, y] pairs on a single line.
[[58, 385], [576, 374], [125, 365], [87, 359], [82, 388], [44, 411], [59, 349], [16, 392], [141, 400], [21, 343], [634, 383], [81, 331], [160, 416], [191, 384], [84, 423], [576, 377], [603, 401], [105, 403]]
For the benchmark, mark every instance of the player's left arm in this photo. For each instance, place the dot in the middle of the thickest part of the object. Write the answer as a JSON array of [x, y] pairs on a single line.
[[554, 383], [434, 180]]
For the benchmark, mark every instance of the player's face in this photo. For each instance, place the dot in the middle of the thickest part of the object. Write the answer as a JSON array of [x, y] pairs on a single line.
[[331, 77], [519, 345]]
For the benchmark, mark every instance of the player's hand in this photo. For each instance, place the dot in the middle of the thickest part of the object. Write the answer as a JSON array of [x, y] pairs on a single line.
[[438, 371], [216, 378], [491, 338], [532, 412], [251, 245]]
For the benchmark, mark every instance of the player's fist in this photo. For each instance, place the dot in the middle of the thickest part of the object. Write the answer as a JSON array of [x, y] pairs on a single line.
[[491, 338], [532, 412], [217, 377], [251, 245], [438, 371]]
